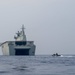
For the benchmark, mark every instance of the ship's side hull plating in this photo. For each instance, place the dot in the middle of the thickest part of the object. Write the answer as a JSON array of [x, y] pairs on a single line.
[[19, 48]]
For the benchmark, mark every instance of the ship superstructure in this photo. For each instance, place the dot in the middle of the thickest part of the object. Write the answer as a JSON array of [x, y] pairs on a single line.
[[20, 46]]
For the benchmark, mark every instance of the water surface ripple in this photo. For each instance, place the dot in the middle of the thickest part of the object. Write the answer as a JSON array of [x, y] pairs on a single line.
[[37, 65]]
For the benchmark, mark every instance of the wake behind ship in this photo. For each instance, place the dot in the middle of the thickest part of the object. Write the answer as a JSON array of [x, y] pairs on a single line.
[[20, 46]]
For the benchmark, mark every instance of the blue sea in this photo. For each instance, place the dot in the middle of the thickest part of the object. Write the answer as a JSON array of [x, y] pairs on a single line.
[[37, 65]]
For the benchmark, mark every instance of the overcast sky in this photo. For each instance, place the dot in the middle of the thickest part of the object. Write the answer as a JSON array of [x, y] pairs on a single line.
[[49, 23]]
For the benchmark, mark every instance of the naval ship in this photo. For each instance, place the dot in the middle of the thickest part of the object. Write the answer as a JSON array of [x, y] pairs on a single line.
[[20, 46]]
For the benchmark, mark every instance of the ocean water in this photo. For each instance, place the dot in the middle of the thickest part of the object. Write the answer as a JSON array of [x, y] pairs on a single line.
[[37, 65]]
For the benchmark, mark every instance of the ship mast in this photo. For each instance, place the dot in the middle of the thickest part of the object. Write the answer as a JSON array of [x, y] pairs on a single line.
[[23, 33], [20, 35]]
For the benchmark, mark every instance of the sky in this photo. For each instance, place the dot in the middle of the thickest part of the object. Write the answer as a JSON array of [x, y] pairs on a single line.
[[49, 23]]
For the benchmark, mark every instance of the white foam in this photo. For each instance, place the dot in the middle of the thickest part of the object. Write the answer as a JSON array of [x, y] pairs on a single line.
[[66, 56]]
